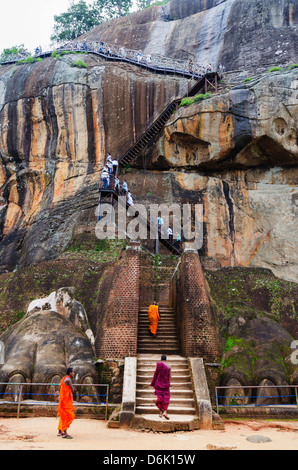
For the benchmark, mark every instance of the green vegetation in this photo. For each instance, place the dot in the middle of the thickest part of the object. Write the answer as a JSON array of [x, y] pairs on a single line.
[[11, 51], [80, 64], [293, 66], [81, 266], [257, 292], [275, 69], [55, 55], [29, 60], [247, 80], [194, 99], [81, 16]]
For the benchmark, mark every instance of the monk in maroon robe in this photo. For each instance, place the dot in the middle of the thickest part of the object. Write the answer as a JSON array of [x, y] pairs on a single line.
[[161, 382]]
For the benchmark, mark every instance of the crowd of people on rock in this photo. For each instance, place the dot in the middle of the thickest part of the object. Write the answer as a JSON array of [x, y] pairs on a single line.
[[110, 180], [101, 47]]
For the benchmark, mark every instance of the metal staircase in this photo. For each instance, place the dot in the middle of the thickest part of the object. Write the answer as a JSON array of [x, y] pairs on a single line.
[[156, 124]]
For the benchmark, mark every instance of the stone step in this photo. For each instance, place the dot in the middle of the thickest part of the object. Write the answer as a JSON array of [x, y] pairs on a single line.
[[167, 350], [158, 343], [152, 409], [162, 328], [175, 393], [161, 309], [153, 422], [165, 331], [175, 368], [147, 377], [145, 385], [161, 314]]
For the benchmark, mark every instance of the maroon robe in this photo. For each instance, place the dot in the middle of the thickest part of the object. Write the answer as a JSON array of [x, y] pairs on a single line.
[[161, 382]]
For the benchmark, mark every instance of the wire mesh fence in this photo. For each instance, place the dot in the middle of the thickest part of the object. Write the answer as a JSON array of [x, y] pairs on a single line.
[[255, 396], [47, 394]]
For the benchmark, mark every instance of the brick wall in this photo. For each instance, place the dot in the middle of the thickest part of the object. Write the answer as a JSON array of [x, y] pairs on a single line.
[[195, 320], [116, 335]]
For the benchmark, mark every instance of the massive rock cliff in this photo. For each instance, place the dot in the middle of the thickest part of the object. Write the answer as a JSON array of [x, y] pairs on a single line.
[[57, 124], [238, 34], [235, 152]]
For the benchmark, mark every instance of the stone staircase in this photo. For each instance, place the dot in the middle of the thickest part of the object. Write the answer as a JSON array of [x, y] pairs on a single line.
[[166, 341], [182, 406]]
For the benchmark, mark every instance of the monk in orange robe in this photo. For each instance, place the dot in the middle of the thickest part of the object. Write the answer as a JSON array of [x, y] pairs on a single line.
[[66, 408], [154, 317]]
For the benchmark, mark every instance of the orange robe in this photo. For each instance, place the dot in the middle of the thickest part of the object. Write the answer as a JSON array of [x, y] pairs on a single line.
[[154, 318], [65, 408]]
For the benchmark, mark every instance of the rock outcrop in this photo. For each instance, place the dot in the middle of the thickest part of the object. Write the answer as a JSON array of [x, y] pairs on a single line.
[[40, 347], [63, 302], [57, 123], [236, 154], [238, 34]]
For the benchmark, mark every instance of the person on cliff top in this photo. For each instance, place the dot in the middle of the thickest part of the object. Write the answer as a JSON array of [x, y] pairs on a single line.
[[154, 317], [66, 408], [161, 382]]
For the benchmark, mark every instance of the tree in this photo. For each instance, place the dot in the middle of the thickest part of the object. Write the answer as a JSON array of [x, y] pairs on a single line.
[[81, 17], [77, 20], [141, 4], [114, 8]]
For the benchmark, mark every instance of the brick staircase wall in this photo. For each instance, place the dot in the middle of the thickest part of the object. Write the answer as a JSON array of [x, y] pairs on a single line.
[[155, 278], [195, 320], [116, 335]]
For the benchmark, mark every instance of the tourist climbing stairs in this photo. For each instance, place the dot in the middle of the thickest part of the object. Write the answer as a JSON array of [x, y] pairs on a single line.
[[182, 405], [107, 196], [166, 341]]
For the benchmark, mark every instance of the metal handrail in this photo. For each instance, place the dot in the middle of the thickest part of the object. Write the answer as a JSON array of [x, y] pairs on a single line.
[[18, 394], [249, 405], [157, 62], [145, 129]]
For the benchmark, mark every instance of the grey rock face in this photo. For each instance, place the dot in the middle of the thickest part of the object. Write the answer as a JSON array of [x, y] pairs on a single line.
[[235, 33]]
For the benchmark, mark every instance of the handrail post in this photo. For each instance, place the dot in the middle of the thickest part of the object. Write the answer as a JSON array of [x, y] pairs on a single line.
[[19, 401], [107, 401], [216, 399]]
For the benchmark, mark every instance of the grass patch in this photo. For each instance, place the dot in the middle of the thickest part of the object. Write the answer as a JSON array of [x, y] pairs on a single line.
[[80, 64], [194, 99], [29, 60], [275, 69]]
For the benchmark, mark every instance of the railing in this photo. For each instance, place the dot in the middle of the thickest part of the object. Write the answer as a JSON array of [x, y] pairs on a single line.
[[22, 394], [223, 401], [155, 62], [157, 118]]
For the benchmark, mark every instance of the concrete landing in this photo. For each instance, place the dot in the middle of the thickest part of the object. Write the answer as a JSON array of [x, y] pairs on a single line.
[[153, 422]]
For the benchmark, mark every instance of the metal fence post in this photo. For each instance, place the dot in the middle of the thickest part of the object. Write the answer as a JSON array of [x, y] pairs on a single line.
[[19, 401], [216, 400], [107, 401]]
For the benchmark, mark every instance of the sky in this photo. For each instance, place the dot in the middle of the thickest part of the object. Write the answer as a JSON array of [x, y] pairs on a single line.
[[29, 22]]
